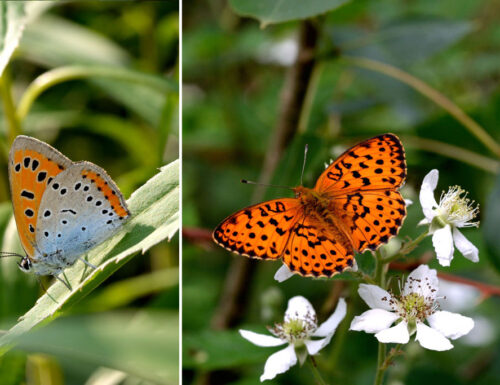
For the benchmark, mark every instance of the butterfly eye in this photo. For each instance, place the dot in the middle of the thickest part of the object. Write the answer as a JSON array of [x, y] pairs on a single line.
[[25, 264]]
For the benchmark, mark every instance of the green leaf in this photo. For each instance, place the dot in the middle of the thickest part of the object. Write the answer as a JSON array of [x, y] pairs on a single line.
[[402, 42], [145, 345], [269, 12], [14, 16], [155, 217], [212, 350]]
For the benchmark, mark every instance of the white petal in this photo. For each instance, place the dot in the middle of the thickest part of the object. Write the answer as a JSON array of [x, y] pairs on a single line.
[[397, 334], [408, 202], [330, 325], [423, 281], [299, 308], [426, 196], [451, 325], [283, 273], [374, 296], [431, 339], [354, 268], [314, 346], [279, 362], [373, 321], [465, 246], [442, 241], [424, 221], [261, 339]]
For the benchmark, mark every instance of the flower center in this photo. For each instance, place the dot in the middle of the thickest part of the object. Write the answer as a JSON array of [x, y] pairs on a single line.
[[456, 209], [295, 330]]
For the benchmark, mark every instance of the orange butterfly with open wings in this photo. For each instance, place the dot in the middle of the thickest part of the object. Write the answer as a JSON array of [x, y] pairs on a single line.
[[354, 206]]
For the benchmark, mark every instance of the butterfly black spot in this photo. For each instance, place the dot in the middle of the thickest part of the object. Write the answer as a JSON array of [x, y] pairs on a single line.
[[280, 231], [99, 189], [26, 161], [63, 191], [35, 164], [83, 229], [333, 252], [98, 203], [17, 167], [248, 226], [356, 174], [46, 213], [86, 188], [379, 161], [378, 171], [366, 181], [109, 222], [301, 269], [89, 198], [60, 167], [55, 186], [32, 229], [29, 213], [27, 194], [92, 181], [107, 198], [49, 180], [64, 221], [349, 262], [339, 268], [264, 237], [104, 211], [235, 233], [77, 186], [251, 235], [384, 238], [46, 233], [59, 235], [393, 230], [379, 207], [84, 176], [113, 192], [367, 229]]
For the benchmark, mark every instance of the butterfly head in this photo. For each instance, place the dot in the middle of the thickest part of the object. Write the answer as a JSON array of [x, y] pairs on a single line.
[[25, 265]]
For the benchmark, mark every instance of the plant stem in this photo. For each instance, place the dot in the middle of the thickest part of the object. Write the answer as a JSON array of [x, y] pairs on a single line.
[[63, 74], [380, 364], [9, 108], [316, 373], [474, 128], [407, 248]]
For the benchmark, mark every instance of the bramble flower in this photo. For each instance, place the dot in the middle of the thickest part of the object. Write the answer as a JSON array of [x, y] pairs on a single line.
[[454, 210], [297, 330], [415, 305]]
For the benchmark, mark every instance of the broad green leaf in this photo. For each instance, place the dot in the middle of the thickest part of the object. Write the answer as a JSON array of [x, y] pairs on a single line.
[[53, 42], [401, 42], [269, 12], [14, 16], [155, 217], [145, 345], [211, 350]]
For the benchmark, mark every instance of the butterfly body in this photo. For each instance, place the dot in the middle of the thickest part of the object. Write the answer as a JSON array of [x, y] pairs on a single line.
[[354, 206], [62, 208]]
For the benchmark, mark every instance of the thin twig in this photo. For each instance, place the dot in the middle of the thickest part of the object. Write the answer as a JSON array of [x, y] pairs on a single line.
[[233, 300]]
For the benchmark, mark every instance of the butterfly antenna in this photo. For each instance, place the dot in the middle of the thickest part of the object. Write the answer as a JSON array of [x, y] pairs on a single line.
[[9, 254], [303, 165], [265, 184]]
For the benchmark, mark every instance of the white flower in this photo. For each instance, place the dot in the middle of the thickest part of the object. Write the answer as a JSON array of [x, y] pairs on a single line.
[[416, 304], [297, 330], [455, 210]]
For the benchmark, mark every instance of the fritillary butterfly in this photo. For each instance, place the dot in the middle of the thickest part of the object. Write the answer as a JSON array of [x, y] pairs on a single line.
[[354, 206]]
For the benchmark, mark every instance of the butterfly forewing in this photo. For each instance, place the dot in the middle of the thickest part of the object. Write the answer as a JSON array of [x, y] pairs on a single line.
[[259, 231], [377, 163], [32, 166], [371, 218]]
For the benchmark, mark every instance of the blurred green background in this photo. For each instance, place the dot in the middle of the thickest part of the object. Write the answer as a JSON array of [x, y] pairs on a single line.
[[126, 331], [234, 71]]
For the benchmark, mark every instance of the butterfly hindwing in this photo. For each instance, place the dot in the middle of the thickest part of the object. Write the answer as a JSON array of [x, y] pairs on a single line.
[[32, 166], [316, 251], [376, 163], [81, 208], [260, 231]]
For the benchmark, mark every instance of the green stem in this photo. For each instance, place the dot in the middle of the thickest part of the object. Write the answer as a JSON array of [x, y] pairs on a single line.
[[380, 364], [13, 127], [406, 249], [63, 74], [474, 128], [316, 373]]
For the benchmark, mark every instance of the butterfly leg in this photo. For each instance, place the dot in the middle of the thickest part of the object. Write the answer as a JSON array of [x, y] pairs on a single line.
[[64, 281], [84, 260]]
